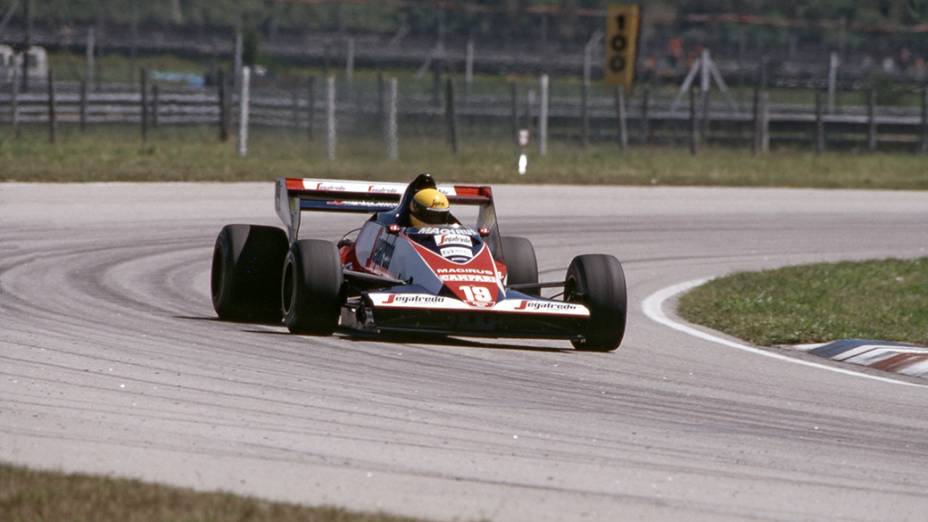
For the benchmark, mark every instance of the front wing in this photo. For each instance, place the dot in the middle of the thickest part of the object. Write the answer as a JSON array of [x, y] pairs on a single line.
[[514, 317]]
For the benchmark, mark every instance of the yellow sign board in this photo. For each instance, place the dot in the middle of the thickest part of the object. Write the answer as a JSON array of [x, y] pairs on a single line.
[[622, 26]]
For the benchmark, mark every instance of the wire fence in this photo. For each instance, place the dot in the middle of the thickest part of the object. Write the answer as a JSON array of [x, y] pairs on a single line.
[[552, 111]]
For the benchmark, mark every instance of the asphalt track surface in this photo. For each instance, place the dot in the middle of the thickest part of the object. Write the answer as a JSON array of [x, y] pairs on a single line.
[[111, 361]]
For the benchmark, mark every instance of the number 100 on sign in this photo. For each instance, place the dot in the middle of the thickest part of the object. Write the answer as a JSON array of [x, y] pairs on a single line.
[[622, 25]]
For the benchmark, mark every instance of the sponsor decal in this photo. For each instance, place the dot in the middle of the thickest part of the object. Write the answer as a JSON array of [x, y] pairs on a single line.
[[462, 270], [350, 186], [330, 186], [453, 239], [467, 278], [541, 306], [545, 305], [416, 301], [413, 299], [383, 189], [343, 203], [453, 252], [521, 306], [451, 231]]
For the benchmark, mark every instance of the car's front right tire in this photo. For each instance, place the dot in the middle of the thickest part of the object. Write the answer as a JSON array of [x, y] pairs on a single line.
[[311, 287]]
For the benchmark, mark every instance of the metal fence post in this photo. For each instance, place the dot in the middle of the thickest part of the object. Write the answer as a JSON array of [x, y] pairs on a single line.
[[514, 111], [380, 100], [52, 109], [237, 60], [584, 115], [349, 61], [143, 73], [223, 85], [765, 122], [295, 110], [469, 66], [819, 123], [14, 102], [621, 116], [331, 136], [450, 115], [755, 114], [83, 108], [706, 117], [924, 144], [645, 116], [832, 81], [90, 67], [543, 117], [155, 105], [393, 149], [310, 107], [694, 125], [27, 43], [244, 107], [871, 121]]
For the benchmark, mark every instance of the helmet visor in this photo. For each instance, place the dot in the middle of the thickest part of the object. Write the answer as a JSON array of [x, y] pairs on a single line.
[[431, 216]]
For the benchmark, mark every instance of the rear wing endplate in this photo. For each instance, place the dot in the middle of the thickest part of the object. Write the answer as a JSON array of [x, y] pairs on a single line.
[[295, 195]]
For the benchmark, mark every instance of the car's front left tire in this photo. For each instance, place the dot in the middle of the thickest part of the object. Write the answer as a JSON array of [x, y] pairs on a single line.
[[521, 264], [311, 287]]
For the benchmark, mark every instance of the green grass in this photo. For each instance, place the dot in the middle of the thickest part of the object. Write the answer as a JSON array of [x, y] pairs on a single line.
[[886, 300], [195, 154], [28, 496]]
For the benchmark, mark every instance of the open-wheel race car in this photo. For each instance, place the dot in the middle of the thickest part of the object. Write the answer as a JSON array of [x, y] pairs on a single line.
[[412, 267]]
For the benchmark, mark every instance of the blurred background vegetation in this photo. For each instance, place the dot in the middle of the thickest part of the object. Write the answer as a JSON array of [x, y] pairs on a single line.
[[565, 21]]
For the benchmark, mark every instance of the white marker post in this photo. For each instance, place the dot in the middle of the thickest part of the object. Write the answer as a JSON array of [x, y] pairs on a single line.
[[244, 101], [523, 156]]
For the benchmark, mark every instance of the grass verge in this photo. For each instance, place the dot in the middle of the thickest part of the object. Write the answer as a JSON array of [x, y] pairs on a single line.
[[116, 153], [886, 300], [27, 496]]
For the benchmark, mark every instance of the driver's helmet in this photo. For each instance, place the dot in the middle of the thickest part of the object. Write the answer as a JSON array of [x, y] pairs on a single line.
[[429, 207]]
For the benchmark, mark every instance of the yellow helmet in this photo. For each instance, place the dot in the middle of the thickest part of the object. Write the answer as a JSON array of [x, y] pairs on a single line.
[[429, 207]]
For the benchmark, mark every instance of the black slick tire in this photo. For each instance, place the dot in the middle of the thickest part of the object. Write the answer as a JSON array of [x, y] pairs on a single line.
[[245, 275], [598, 282], [311, 287], [520, 261]]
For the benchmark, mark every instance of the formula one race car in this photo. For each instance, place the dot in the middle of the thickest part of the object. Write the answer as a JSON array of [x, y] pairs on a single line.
[[412, 267]]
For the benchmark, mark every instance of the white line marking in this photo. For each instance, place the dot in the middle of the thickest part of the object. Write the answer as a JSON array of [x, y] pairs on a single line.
[[653, 307]]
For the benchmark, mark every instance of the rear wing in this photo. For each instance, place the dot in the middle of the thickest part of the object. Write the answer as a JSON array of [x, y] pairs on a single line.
[[295, 195]]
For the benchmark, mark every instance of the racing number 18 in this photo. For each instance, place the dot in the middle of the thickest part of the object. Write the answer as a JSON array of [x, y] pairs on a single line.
[[478, 294]]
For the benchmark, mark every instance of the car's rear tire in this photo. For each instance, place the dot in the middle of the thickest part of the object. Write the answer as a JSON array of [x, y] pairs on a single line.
[[311, 287], [598, 282], [245, 275], [520, 261]]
